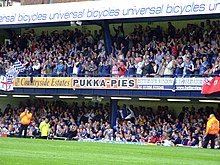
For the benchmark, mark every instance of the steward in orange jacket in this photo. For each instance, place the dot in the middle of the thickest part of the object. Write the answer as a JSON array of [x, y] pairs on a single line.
[[212, 129], [25, 121]]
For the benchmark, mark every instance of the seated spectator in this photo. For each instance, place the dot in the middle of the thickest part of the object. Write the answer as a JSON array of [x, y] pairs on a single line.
[[92, 122]]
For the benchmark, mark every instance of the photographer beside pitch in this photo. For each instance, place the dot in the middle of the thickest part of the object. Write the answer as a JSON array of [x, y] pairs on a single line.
[[212, 130], [25, 121]]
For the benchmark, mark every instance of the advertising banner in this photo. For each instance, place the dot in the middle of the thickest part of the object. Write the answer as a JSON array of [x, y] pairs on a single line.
[[139, 83], [100, 10], [105, 83], [43, 82], [175, 84]]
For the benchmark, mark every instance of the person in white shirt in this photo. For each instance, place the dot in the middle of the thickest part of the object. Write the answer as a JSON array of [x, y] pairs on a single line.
[[36, 68], [169, 67], [139, 67]]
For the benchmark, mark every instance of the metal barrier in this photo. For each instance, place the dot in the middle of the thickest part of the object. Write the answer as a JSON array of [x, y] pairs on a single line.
[[115, 75]]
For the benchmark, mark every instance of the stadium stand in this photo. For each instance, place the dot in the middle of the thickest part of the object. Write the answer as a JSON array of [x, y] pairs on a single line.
[[91, 121], [149, 52]]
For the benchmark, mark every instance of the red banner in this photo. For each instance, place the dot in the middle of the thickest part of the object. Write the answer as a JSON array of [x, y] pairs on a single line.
[[211, 86]]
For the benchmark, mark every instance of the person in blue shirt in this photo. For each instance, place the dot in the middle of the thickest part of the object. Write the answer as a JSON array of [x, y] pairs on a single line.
[[159, 57], [54, 66], [61, 69], [80, 68], [30, 71], [100, 68], [69, 66], [106, 69], [179, 67], [203, 66], [188, 68], [131, 67]]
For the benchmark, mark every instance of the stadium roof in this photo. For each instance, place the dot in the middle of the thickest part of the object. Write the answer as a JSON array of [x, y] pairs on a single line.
[[114, 12]]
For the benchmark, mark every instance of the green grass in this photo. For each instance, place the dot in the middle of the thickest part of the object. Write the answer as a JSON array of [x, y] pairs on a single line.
[[14, 151]]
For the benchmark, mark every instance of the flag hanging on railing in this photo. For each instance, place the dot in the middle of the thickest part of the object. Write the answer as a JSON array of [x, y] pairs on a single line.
[[211, 86], [5, 85], [7, 80]]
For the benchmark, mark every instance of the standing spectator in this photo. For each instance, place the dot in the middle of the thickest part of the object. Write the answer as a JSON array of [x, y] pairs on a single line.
[[197, 67], [148, 68], [61, 69], [188, 68], [36, 68], [69, 66], [25, 121], [75, 67], [115, 69], [216, 68], [131, 67], [80, 68], [139, 66], [2, 71], [203, 66], [100, 68], [159, 57], [93, 69], [87, 68], [55, 64], [179, 67], [106, 69], [169, 67], [121, 69], [161, 69], [30, 71]]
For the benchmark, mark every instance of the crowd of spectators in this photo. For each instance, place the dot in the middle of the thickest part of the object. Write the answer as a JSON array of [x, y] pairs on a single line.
[[92, 121], [190, 51]]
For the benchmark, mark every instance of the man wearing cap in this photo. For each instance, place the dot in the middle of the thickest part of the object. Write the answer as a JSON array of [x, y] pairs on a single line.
[[212, 130], [25, 121]]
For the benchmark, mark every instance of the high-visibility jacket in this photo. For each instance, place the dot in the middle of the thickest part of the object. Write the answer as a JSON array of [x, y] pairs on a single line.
[[212, 126], [25, 118], [44, 128]]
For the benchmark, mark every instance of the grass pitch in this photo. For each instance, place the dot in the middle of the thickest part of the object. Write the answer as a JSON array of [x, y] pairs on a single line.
[[14, 151]]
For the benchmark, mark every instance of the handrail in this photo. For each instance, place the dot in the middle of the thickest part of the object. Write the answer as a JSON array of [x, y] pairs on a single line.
[[115, 75]]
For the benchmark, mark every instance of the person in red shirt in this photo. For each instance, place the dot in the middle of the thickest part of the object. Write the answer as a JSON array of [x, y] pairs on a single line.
[[121, 69]]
